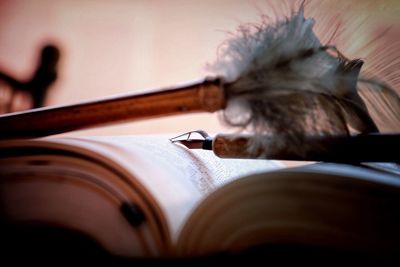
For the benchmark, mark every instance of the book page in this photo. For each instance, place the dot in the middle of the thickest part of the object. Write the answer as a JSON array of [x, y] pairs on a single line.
[[74, 193], [335, 206], [178, 178], [171, 179]]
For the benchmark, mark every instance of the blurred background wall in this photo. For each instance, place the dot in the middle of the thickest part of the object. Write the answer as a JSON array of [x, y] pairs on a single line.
[[125, 46]]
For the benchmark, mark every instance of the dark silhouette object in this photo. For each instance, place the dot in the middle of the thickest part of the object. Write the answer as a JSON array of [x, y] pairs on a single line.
[[44, 244], [43, 77]]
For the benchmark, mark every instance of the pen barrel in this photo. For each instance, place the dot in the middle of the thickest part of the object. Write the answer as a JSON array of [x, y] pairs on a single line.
[[344, 149], [204, 96], [233, 146]]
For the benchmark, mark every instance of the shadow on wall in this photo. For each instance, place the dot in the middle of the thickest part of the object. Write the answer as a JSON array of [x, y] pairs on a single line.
[[18, 95]]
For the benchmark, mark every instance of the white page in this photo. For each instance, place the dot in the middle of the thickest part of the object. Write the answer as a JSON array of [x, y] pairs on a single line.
[[178, 178]]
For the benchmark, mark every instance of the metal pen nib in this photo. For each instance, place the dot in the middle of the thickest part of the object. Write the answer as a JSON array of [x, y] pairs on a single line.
[[205, 142]]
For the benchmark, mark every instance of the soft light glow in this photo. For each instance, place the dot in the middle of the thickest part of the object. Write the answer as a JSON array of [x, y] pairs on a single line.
[[113, 47]]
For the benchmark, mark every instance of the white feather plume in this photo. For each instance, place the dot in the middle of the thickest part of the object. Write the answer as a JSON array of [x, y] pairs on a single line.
[[281, 80]]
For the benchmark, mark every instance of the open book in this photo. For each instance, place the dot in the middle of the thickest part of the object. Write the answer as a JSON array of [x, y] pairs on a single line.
[[142, 196]]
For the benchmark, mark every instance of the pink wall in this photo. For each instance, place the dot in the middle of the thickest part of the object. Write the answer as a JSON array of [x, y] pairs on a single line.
[[113, 47]]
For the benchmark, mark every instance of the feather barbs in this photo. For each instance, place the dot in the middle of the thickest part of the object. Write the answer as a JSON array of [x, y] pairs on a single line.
[[282, 80]]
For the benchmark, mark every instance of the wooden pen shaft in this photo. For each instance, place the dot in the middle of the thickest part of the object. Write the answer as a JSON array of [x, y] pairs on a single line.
[[201, 96], [346, 149]]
